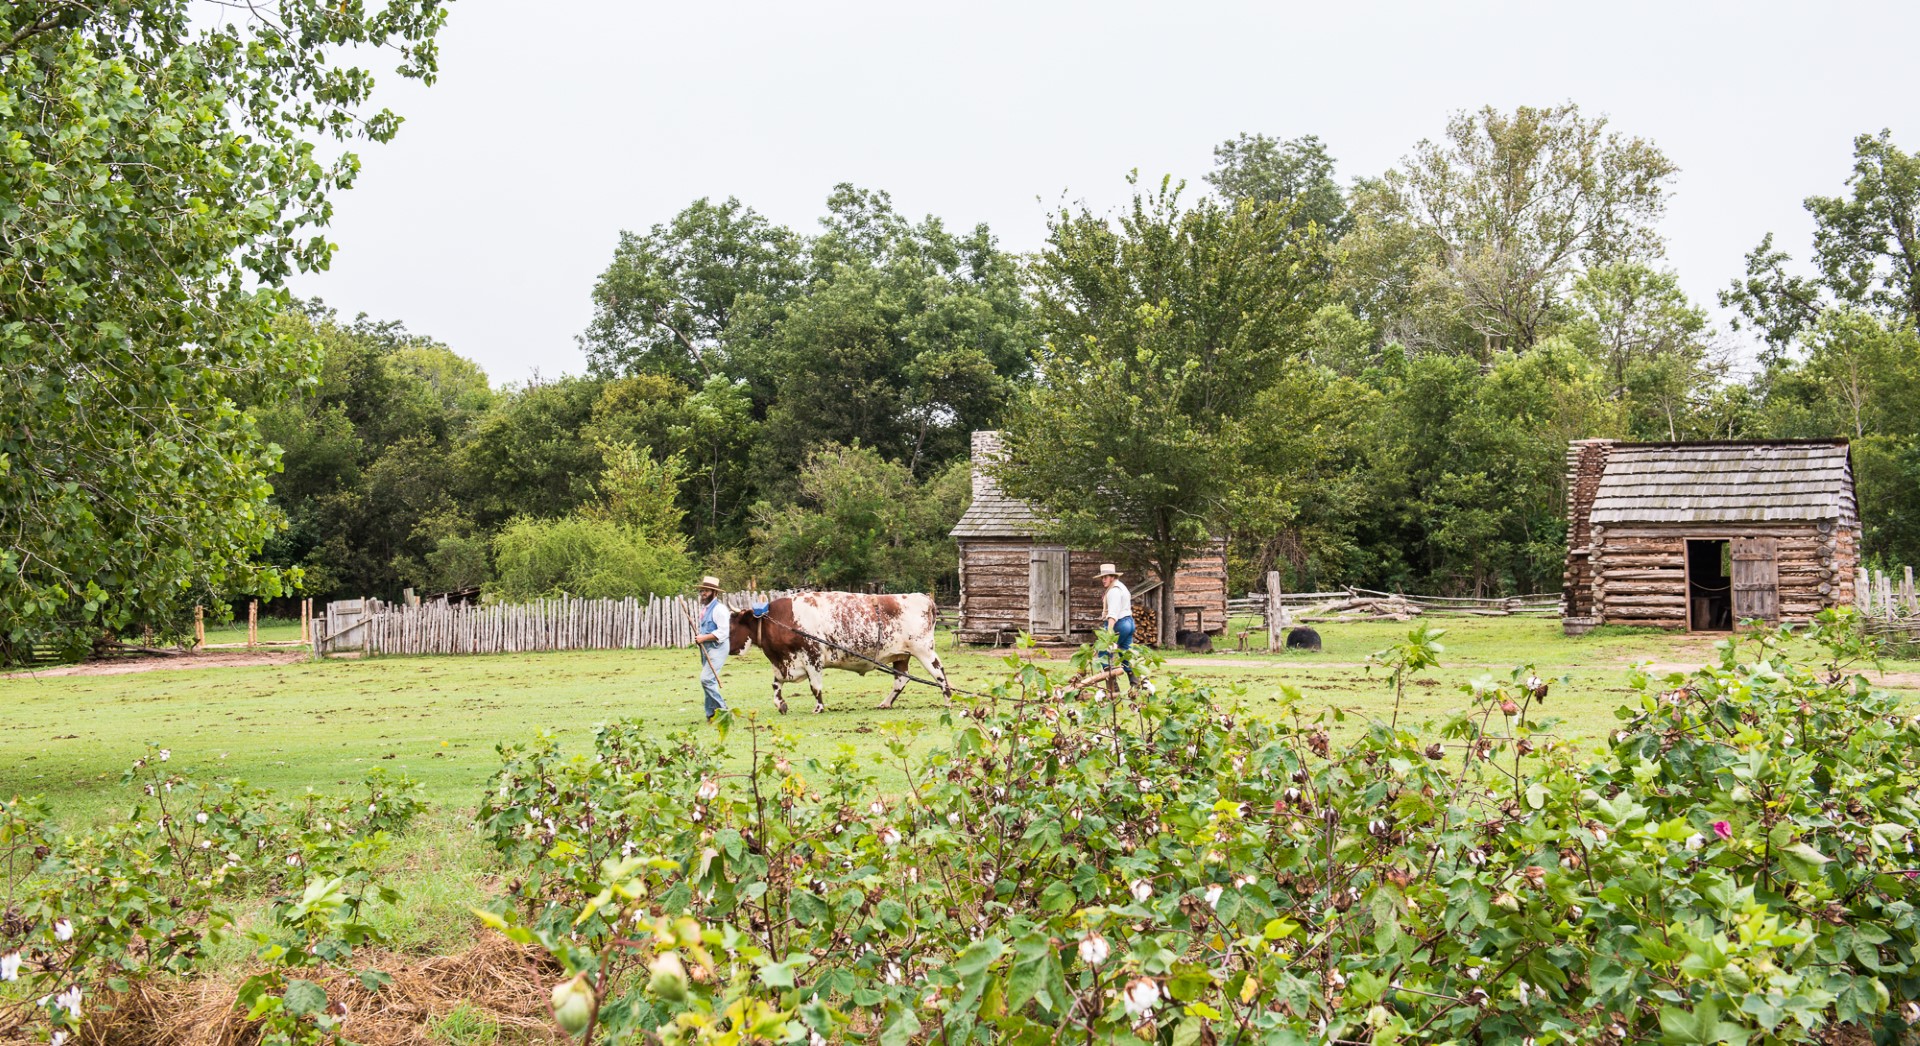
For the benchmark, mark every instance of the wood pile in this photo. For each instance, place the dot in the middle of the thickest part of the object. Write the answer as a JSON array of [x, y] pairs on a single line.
[[1360, 608], [1146, 620]]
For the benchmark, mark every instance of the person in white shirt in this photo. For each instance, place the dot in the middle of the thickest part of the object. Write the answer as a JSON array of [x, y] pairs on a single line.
[[712, 641], [1116, 613]]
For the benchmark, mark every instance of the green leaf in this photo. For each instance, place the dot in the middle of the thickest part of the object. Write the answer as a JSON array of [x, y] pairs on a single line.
[[810, 909], [304, 998]]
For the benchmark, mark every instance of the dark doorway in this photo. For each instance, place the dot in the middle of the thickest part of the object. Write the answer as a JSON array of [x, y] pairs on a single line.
[[1709, 586]]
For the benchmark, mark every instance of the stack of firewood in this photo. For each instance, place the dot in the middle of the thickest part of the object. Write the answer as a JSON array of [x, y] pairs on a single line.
[[1146, 623]]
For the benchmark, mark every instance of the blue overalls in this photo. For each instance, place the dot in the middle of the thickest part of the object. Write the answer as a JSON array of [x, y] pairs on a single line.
[[1123, 630], [713, 655]]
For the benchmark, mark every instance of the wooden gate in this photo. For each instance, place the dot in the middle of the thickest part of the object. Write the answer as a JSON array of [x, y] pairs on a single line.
[[1756, 580], [345, 627], [1047, 592]]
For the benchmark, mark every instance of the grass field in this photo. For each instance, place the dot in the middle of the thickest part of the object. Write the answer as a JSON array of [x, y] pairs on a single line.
[[321, 724]]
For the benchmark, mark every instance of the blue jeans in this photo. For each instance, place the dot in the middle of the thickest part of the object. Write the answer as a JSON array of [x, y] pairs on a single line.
[[1123, 629], [713, 657]]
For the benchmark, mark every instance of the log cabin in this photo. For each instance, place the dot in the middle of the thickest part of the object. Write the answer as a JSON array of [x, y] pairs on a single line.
[[1014, 580], [1704, 535]]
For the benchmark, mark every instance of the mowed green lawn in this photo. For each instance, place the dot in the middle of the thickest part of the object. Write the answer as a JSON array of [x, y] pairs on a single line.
[[321, 725]]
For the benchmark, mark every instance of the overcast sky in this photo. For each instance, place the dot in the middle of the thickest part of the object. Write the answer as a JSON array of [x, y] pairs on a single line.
[[556, 125]]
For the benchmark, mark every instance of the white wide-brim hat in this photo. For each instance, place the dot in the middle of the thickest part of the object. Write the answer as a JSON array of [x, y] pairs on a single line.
[[710, 582], [1108, 570]]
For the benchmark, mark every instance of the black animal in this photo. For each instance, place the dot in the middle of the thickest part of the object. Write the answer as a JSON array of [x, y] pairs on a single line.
[[1193, 642], [1303, 638]]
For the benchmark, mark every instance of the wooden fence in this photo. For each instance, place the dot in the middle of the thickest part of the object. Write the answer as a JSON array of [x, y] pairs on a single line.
[[1888, 605], [549, 624]]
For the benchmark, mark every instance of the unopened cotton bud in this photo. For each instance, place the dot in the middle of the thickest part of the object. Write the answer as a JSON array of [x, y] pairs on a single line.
[[573, 1004]]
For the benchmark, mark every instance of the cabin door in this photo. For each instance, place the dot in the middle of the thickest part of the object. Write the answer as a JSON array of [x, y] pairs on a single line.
[[1047, 591], [1756, 579]]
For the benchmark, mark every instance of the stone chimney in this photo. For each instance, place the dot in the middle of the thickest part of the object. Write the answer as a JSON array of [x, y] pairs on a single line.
[[1586, 462], [986, 449]]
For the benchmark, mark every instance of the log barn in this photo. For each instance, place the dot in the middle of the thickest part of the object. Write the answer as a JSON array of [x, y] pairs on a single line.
[[1012, 580], [1704, 535]]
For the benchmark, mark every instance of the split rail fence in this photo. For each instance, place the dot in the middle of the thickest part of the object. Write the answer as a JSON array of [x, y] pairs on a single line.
[[372, 629]]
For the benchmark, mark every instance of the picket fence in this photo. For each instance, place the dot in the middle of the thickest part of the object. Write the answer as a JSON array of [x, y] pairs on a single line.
[[1888, 605], [563, 623]]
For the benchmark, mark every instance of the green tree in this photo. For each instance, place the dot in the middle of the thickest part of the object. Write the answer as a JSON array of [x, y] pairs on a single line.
[[160, 182], [1467, 467], [1311, 434], [1506, 208], [1296, 174], [1162, 330], [860, 519], [909, 338], [528, 457], [1770, 301], [1626, 313], [370, 484], [1652, 343], [1866, 249], [666, 302], [639, 491]]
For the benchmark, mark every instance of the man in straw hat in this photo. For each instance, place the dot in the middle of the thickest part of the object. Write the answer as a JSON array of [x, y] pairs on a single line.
[[711, 638], [1116, 612]]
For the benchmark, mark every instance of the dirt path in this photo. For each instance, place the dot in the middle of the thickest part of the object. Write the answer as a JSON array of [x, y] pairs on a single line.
[[1900, 680], [126, 665]]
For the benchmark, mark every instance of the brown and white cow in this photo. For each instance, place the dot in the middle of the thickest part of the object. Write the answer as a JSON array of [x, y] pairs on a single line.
[[886, 629]]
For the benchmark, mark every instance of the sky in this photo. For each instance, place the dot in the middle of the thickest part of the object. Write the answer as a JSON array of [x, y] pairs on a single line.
[[555, 126]]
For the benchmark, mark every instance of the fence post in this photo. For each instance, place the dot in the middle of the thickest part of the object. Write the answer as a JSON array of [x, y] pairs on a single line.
[[199, 627], [253, 623], [1276, 614]]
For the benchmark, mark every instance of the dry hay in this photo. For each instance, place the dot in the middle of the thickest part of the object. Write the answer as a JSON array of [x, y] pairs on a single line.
[[507, 983]]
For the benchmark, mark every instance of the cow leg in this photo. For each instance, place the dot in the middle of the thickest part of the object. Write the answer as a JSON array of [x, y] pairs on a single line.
[[819, 690], [779, 701], [932, 661], [899, 683]]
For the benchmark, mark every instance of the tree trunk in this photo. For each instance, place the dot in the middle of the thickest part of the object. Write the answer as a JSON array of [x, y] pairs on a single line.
[[1168, 569]]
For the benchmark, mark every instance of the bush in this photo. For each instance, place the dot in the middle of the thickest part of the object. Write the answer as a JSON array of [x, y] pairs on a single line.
[[88, 915], [1173, 869], [589, 558]]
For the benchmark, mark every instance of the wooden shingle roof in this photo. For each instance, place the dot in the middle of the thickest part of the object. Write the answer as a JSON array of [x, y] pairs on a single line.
[[993, 514], [1725, 482]]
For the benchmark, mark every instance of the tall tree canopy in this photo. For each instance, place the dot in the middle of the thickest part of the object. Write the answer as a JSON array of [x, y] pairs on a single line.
[[665, 303], [160, 183], [1495, 219], [1866, 252], [1297, 174], [1162, 330]]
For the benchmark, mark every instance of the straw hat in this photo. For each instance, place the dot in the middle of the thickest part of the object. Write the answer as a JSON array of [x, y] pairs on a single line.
[[710, 584], [1108, 570]]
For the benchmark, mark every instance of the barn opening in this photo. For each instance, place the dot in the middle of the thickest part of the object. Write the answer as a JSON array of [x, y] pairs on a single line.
[[1709, 585]]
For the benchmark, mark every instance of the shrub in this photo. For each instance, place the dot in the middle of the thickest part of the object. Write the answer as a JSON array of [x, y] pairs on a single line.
[[1172, 868], [88, 915], [585, 557]]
